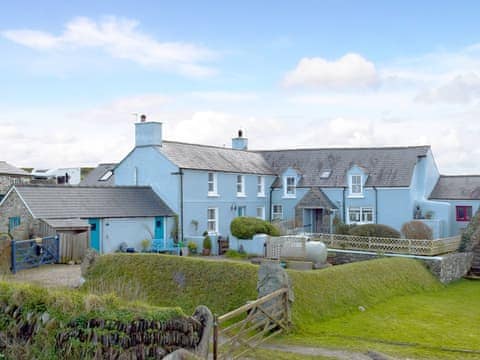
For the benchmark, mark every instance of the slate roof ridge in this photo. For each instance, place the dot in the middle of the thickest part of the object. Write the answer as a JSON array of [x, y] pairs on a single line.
[[205, 145], [348, 148]]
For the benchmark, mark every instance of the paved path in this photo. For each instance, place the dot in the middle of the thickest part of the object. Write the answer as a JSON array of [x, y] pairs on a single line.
[[50, 276], [316, 351]]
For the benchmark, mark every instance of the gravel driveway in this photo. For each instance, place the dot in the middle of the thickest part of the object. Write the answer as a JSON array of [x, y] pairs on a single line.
[[49, 276]]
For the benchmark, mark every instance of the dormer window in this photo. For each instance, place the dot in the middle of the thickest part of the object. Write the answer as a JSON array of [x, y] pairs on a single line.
[[290, 184], [356, 187], [212, 184]]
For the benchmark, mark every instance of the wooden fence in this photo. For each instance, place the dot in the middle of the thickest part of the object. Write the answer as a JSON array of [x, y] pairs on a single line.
[[390, 245], [243, 329]]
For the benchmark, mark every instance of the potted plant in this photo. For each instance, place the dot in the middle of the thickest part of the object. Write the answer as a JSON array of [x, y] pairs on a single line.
[[146, 245], [207, 244], [192, 247], [429, 214]]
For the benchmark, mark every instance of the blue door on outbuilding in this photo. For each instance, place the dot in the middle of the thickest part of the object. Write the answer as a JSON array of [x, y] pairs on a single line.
[[159, 227], [94, 234]]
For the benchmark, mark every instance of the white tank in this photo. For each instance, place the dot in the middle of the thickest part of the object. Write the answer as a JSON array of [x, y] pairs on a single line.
[[316, 252]]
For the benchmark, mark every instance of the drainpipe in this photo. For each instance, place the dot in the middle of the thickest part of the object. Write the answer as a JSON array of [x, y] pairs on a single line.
[[376, 204], [270, 202], [180, 172], [343, 206]]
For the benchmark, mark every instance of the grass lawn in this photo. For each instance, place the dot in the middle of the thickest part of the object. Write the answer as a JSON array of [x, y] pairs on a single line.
[[437, 324]]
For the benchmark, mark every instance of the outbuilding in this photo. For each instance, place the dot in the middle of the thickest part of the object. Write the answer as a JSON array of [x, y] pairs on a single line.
[[103, 218]]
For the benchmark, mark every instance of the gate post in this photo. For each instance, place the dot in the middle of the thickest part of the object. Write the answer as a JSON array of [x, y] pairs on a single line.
[[215, 337], [57, 242], [13, 267]]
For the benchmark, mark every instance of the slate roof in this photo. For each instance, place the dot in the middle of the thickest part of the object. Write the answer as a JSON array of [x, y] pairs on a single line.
[[62, 202], [67, 223], [315, 198], [203, 157], [385, 166], [7, 169], [94, 176], [460, 187]]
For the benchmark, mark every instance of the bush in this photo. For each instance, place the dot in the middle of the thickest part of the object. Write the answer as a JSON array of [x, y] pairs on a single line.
[[377, 230], [246, 227], [417, 230], [471, 234], [192, 247], [207, 242], [234, 254]]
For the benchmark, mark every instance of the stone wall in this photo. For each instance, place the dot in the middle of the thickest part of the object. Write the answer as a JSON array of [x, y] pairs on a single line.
[[451, 267], [14, 206], [446, 268]]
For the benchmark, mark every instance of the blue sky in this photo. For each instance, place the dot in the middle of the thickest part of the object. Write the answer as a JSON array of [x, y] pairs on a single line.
[[291, 74]]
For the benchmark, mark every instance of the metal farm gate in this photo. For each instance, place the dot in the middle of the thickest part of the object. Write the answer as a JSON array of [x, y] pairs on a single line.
[[27, 254]]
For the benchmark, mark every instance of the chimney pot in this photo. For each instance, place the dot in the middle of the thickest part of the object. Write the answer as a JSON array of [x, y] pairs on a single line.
[[240, 133], [143, 118]]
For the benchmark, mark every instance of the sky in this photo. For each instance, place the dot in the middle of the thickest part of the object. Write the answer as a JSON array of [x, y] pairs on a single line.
[[290, 74]]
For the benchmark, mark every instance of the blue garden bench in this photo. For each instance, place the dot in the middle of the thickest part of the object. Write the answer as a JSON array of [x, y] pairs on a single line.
[[164, 246]]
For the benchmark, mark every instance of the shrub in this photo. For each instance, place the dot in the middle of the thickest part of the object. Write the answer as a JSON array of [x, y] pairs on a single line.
[[146, 244], [234, 254], [417, 230], [471, 234], [207, 242], [246, 227], [377, 230], [192, 247]]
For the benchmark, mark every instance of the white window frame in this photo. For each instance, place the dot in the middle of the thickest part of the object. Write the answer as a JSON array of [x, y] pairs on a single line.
[[260, 212], [352, 184], [260, 186], [279, 214], [286, 194], [213, 182], [362, 211], [212, 229], [242, 208], [241, 186]]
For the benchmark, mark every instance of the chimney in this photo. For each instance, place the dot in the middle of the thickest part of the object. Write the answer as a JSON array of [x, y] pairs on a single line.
[[240, 143], [148, 133]]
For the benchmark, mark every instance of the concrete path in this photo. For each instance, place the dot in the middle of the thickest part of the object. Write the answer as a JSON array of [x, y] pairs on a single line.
[[316, 351]]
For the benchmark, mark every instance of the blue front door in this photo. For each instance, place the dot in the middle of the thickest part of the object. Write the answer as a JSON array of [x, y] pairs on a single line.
[[159, 227], [94, 234]]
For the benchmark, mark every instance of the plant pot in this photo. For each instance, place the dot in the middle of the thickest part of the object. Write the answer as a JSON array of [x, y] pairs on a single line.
[[206, 252]]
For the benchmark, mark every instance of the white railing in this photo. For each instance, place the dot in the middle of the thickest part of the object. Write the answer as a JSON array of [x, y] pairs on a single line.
[[389, 245], [286, 247]]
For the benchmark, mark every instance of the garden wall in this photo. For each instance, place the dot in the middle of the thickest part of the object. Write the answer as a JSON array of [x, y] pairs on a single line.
[[78, 326], [446, 268]]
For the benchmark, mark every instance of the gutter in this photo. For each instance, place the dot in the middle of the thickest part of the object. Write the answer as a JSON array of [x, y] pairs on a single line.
[[180, 172]]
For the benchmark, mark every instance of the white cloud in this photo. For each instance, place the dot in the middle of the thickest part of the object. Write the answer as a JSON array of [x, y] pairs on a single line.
[[349, 71], [462, 89], [121, 39]]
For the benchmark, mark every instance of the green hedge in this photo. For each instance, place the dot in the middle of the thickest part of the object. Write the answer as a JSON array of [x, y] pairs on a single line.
[[377, 230], [165, 280], [244, 227]]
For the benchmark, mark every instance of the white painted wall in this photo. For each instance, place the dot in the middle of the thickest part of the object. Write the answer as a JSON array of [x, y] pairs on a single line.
[[129, 230]]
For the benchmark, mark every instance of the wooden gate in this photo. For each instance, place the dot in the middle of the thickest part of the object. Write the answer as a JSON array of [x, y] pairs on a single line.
[[243, 329]]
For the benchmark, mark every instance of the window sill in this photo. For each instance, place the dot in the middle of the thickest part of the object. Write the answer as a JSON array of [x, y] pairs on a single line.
[[261, 195], [289, 196], [213, 195], [241, 195], [356, 196]]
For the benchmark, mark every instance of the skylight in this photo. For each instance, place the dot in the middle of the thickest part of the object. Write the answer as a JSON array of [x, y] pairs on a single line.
[[325, 174], [107, 175]]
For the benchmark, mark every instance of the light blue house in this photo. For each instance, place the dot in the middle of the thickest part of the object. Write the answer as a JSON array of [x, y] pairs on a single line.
[[208, 186]]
